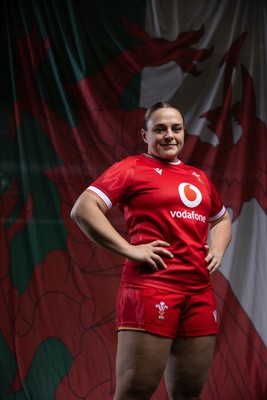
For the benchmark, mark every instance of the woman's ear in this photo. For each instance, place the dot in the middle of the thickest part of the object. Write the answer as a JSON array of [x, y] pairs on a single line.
[[143, 133]]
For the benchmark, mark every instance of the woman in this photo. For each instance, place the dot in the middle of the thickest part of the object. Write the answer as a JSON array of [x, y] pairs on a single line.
[[166, 316]]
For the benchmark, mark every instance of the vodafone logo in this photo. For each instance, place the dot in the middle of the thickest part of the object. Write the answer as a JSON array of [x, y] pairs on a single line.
[[190, 194], [191, 197]]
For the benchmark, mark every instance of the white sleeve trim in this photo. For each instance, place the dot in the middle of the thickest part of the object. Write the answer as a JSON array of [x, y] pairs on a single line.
[[217, 216], [102, 196]]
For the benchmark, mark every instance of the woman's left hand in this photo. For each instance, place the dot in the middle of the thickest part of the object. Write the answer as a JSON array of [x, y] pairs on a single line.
[[213, 261]]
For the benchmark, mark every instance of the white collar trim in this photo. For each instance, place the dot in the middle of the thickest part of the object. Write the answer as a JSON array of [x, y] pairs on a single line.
[[162, 159]]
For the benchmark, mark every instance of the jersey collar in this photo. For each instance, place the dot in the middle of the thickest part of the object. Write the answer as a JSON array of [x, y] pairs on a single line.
[[162, 160]]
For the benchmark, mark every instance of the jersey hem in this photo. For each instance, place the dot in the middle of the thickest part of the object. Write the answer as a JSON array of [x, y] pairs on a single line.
[[170, 289]]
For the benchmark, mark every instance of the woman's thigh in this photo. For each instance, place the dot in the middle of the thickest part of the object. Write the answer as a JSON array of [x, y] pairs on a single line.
[[188, 366], [141, 360]]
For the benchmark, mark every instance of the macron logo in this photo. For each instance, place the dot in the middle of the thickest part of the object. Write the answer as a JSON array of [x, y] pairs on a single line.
[[158, 170]]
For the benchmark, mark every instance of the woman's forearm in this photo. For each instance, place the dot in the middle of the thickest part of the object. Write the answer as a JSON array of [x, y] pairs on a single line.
[[221, 234], [220, 237], [89, 214]]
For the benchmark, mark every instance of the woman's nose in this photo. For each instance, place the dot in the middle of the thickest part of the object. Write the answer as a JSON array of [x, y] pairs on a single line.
[[169, 133]]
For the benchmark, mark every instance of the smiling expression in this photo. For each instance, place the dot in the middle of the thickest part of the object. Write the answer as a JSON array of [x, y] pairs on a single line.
[[164, 134]]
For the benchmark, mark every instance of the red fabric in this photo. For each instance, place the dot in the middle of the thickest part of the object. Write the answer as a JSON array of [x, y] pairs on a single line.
[[165, 313], [155, 209]]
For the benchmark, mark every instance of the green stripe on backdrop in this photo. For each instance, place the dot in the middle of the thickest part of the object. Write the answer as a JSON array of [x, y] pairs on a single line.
[[51, 363], [84, 36]]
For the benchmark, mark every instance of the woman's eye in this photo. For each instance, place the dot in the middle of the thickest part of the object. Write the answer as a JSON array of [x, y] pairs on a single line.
[[177, 129], [158, 129]]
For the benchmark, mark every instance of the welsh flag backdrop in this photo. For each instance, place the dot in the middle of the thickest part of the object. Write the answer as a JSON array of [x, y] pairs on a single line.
[[76, 77]]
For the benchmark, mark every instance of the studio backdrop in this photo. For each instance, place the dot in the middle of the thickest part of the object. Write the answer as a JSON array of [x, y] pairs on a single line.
[[76, 78]]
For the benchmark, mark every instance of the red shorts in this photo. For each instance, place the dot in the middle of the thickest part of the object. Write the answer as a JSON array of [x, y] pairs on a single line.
[[165, 313]]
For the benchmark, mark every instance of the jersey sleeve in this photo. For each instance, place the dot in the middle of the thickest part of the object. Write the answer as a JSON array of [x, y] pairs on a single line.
[[217, 207], [114, 184]]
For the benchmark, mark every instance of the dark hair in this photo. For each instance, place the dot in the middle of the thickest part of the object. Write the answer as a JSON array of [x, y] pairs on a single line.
[[155, 107]]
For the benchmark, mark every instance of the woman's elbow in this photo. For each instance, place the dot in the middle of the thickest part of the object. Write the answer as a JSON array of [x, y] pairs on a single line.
[[74, 214], [78, 210]]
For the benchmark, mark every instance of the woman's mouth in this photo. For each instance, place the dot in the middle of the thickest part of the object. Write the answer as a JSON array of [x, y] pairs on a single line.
[[169, 145]]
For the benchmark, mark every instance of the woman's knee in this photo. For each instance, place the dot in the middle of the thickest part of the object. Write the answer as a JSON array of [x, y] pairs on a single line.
[[186, 391], [133, 385]]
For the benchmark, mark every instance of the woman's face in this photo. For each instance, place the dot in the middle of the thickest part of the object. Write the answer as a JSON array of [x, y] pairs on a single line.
[[165, 134]]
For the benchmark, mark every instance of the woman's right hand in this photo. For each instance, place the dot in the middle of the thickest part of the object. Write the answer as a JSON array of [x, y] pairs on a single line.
[[150, 253]]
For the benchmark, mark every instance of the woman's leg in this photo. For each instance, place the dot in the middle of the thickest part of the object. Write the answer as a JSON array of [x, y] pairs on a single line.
[[188, 366], [141, 360]]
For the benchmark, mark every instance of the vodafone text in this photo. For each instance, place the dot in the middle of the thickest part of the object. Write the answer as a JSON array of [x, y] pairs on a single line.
[[188, 215]]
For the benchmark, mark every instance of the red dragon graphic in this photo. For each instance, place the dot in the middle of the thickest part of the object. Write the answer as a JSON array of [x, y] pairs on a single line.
[[66, 281]]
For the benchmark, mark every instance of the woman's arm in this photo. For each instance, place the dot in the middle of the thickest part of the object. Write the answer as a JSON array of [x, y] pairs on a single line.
[[220, 237], [89, 213]]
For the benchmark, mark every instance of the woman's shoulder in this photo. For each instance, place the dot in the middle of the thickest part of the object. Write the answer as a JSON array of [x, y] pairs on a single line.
[[130, 160], [192, 168]]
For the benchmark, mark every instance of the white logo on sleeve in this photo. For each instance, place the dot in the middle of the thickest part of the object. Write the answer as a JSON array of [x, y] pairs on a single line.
[[190, 194]]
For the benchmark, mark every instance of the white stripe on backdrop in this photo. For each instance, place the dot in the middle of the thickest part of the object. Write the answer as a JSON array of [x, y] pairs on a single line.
[[244, 265]]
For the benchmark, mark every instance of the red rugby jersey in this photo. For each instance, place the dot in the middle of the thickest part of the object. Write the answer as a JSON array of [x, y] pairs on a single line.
[[164, 200]]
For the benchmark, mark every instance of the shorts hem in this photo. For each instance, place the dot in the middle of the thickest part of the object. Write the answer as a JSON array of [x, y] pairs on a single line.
[[129, 328]]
